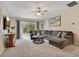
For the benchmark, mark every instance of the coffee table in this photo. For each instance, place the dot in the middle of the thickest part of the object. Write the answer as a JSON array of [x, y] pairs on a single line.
[[38, 39]]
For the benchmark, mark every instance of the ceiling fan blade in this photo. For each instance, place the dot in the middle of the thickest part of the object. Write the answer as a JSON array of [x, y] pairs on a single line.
[[42, 14], [45, 11]]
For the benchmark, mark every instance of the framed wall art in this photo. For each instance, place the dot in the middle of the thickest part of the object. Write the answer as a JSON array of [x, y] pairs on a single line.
[[55, 21], [6, 23]]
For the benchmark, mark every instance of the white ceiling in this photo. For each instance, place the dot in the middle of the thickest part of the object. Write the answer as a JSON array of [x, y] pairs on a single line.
[[23, 9]]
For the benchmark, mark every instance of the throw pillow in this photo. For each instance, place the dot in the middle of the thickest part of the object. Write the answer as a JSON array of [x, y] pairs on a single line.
[[63, 34], [59, 34]]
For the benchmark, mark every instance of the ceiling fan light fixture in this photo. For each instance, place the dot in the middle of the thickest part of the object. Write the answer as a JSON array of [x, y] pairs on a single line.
[[8, 18], [38, 13]]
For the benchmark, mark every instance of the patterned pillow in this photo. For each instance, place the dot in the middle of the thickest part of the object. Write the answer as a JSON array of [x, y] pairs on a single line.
[[63, 34], [59, 34]]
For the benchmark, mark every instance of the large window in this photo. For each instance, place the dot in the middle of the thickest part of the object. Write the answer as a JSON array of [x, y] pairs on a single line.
[[26, 27]]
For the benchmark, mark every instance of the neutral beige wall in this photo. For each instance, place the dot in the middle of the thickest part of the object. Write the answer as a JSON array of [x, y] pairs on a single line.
[[1, 44], [68, 16], [1, 41], [3, 12]]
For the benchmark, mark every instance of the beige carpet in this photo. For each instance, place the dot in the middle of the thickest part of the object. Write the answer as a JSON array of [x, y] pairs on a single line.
[[73, 49], [25, 48]]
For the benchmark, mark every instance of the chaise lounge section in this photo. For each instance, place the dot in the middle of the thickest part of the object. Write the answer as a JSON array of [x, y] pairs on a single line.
[[61, 39]]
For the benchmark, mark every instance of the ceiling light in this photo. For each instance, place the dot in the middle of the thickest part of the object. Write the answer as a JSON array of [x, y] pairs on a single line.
[[8, 19], [38, 13]]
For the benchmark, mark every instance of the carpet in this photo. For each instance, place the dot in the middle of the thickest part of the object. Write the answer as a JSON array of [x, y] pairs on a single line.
[[26, 48]]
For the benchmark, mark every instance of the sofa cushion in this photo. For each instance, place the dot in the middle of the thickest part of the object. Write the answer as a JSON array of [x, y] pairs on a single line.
[[55, 39], [63, 34], [54, 33], [59, 34]]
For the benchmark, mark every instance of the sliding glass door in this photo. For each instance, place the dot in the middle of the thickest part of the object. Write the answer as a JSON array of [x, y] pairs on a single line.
[[26, 27]]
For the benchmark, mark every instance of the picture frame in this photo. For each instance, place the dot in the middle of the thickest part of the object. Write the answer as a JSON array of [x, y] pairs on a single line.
[[6, 24], [55, 21]]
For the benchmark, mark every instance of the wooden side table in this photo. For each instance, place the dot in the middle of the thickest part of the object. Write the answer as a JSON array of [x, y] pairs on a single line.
[[10, 40]]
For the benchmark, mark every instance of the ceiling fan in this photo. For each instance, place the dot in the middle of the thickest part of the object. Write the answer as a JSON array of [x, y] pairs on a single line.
[[39, 11]]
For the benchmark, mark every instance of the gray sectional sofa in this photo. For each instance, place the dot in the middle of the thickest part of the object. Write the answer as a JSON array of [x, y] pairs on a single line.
[[61, 39]]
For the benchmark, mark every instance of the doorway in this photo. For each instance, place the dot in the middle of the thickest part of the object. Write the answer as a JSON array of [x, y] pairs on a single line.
[[26, 27]]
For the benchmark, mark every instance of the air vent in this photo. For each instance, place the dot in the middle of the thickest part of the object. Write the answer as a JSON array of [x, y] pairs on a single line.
[[72, 4]]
